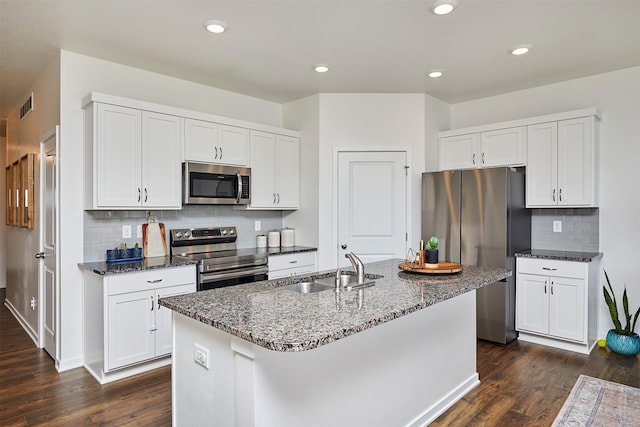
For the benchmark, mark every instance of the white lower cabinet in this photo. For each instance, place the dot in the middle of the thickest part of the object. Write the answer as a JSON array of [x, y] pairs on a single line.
[[126, 329], [556, 303], [291, 264]]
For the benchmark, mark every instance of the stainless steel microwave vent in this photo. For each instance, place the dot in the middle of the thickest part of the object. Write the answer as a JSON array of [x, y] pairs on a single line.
[[26, 107]]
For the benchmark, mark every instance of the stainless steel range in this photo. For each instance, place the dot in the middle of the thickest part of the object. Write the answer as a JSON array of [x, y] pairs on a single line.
[[220, 262]]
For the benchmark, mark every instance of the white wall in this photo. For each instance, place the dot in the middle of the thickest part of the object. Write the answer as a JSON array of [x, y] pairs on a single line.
[[80, 75], [617, 96], [3, 227], [24, 136]]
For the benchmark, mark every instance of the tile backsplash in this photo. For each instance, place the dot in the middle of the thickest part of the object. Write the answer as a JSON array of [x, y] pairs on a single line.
[[103, 229], [580, 229]]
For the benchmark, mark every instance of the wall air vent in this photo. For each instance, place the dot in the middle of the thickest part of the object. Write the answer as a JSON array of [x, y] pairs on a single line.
[[26, 107]]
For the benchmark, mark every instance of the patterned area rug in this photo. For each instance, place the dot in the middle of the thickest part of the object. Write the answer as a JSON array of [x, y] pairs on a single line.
[[595, 402]]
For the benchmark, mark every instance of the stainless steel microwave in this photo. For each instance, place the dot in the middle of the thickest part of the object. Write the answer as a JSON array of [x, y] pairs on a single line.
[[209, 184]]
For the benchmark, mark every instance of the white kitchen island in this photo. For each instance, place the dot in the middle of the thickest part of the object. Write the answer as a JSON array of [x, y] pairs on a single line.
[[398, 353]]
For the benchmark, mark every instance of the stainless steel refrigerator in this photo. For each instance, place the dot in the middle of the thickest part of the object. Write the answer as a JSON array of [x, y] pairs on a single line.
[[479, 217]]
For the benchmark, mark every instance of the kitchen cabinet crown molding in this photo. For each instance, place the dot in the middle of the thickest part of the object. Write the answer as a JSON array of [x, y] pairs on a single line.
[[574, 114], [181, 112]]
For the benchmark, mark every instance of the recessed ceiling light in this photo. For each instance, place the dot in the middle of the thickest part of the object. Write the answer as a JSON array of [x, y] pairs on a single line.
[[435, 74], [520, 49], [443, 7], [216, 27], [321, 68]]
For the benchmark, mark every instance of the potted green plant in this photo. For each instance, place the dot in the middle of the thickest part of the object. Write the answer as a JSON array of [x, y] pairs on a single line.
[[621, 340], [432, 251]]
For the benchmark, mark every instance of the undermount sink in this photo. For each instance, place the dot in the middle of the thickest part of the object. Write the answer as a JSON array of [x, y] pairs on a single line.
[[307, 287]]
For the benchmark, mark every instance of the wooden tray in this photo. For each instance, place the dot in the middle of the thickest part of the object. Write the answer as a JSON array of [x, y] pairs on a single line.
[[442, 268]]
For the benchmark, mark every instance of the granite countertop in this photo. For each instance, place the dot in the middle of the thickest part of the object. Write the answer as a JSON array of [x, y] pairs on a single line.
[[283, 320], [560, 255], [290, 250], [104, 268]]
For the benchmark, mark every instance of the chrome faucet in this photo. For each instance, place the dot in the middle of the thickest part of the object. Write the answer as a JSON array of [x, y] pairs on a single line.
[[338, 274], [357, 266]]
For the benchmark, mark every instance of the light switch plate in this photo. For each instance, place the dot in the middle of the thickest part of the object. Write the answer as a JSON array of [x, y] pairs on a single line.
[[258, 226], [126, 231], [139, 231], [557, 226]]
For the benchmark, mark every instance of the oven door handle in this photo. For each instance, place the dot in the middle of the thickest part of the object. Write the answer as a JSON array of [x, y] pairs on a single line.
[[208, 278]]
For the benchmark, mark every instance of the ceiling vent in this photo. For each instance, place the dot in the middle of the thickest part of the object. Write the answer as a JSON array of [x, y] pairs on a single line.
[[26, 107]]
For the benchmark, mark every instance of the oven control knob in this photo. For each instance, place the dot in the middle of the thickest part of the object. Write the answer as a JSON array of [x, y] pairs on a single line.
[[224, 232], [231, 231], [178, 235], [187, 234]]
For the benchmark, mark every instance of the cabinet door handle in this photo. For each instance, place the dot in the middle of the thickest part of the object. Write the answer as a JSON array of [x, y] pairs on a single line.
[[152, 303], [551, 288], [158, 301], [274, 198], [560, 194], [549, 268], [146, 195], [220, 153], [554, 195], [154, 281], [139, 195], [216, 155], [473, 159], [545, 287], [278, 197], [483, 158]]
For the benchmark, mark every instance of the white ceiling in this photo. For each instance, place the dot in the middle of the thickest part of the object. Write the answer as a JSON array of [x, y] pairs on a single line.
[[371, 45]]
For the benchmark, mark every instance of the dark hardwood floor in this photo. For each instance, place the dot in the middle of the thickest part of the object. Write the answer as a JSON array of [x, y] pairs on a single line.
[[521, 385]]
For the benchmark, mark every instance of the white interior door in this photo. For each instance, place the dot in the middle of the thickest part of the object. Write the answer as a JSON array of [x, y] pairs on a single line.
[[372, 205], [48, 240]]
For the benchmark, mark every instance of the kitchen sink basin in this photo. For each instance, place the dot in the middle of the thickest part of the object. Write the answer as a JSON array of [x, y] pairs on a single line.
[[307, 287]]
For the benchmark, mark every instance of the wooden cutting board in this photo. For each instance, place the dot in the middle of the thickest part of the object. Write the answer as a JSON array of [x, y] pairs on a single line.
[[442, 268], [154, 242]]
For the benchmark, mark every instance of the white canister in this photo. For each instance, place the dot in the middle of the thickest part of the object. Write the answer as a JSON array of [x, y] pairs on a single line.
[[261, 241], [288, 237], [274, 239]]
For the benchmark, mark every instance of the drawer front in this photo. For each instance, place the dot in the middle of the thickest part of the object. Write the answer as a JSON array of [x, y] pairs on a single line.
[[285, 262], [152, 279], [548, 267]]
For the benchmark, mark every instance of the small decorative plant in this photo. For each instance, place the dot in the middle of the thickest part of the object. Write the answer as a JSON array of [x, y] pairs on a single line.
[[432, 244], [610, 299]]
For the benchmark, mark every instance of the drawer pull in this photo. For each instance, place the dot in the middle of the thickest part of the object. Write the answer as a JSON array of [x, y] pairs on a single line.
[[293, 262], [154, 281], [549, 268]]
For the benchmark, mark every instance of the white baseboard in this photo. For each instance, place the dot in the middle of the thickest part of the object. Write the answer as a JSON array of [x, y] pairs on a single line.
[[430, 415], [551, 342], [23, 322], [65, 365]]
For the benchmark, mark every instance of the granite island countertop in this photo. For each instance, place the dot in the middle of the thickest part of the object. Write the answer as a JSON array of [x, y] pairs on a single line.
[[283, 320]]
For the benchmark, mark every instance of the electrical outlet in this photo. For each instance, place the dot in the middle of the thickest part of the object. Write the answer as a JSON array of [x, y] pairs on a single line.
[[139, 231], [126, 231], [258, 226], [557, 226], [33, 303], [201, 355]]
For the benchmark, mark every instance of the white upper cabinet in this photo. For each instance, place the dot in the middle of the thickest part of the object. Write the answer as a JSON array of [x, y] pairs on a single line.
[[562, 164], [501, 147], [215, 143], [275, 171], [132, 158]]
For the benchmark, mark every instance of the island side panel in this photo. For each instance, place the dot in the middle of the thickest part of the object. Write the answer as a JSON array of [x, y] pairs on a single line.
[[404, 372]]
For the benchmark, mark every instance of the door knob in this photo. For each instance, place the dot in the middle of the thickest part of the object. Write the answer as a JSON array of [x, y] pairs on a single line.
[[39, 255], [344, 246]]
